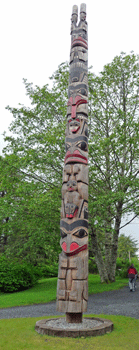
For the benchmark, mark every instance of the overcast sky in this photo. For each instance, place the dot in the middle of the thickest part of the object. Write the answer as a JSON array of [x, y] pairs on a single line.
[[35, 39]]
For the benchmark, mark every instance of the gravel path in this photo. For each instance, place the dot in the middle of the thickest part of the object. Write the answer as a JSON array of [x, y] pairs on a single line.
[[120, 302]]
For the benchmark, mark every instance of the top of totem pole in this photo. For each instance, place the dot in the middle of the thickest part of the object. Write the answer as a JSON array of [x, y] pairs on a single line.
[[82, 11], [74, 17]]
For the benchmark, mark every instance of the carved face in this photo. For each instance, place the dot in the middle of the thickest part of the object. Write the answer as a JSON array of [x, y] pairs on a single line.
[[78, 172], [72, 186], [74, 205], [77, 126], [74, 237], [76, 105], [78, 89], [74, 18], [79, 36], [72, 202], [82, 16], [74, 125], [71, 210], [76, 150]]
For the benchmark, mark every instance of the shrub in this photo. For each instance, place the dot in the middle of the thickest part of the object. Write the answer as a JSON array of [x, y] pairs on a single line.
[[123, 264], [92, 266], [16, 277], [48, 270]]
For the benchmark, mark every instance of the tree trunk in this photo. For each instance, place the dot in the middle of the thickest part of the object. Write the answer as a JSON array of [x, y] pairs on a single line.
[[108, 239], [115, 241], [99, 258]]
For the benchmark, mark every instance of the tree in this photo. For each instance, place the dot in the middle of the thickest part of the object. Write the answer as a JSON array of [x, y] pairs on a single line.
[[114, 140], [31, 175], [32, 231], [127, 247]]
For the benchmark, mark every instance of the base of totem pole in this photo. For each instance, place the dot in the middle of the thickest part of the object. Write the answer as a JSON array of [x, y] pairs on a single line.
[[90, 326]]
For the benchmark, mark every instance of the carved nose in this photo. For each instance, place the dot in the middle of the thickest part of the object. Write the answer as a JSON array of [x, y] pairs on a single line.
[[73, 112]]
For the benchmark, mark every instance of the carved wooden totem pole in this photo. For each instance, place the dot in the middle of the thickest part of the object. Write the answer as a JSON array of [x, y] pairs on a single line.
[[72, 288]]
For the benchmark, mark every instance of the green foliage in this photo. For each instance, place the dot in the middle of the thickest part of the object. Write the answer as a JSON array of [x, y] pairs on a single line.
[[15, 277], [47, 271], [31, 174], [113, 152], [127, 247], [123, 264], [121, 267], [114, 137], [43, 292], [92, 266]]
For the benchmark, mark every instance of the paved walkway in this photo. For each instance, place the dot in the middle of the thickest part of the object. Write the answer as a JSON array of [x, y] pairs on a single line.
[[121, 302]]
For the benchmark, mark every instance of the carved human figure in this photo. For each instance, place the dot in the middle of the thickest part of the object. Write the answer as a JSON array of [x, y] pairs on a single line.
[[73, 268]]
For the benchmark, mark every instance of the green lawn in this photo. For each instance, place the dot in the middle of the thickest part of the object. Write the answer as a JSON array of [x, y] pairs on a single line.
[[19, 334], [45, 291]]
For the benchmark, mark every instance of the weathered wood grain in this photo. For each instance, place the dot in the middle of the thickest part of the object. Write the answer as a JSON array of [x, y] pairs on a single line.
[[72, 287]]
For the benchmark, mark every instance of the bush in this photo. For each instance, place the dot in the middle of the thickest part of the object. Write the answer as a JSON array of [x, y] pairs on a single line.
[[48, 270], [92, 266], [16, 277], [123, 264]]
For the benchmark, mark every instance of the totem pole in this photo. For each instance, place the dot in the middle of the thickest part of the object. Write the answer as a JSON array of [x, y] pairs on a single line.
[[72, 288]]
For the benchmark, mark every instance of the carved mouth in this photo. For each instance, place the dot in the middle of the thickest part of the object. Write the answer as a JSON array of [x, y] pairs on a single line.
[[75, 130], [79, 42], [71, 216], [75, 157], [71, 189], [74, 248]]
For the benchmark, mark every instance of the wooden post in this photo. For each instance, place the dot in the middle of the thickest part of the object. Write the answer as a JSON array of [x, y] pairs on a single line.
[[72, 287], [72, 317]]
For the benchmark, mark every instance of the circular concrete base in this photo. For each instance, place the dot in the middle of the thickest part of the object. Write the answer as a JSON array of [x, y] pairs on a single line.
[[91, 326]]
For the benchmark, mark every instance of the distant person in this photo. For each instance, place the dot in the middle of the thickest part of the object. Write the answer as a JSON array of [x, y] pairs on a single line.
[[132, 275]]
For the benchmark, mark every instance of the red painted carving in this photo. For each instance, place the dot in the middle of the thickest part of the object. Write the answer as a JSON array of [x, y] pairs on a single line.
[[79, 42], [74, 102], [74, 248], [75, 157]]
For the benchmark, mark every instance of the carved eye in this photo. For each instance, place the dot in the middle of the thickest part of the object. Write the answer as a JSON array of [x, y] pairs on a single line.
[[81, 233], [63, 234], [82, 145]]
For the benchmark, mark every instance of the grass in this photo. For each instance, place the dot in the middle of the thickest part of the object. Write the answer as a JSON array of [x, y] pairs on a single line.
[[45, 291], [95, 286], [19, 334]]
